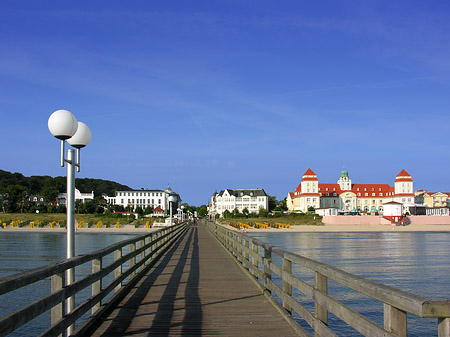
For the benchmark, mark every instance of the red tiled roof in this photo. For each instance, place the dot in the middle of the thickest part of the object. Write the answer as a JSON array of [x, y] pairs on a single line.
[[158, 210], [403, 173], [309, 172]]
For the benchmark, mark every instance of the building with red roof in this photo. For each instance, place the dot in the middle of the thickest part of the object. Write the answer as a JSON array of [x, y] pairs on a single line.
[[346, 196]]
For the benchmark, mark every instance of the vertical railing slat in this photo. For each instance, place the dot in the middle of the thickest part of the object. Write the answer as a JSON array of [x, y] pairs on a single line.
[[287, 288], [57, 282], [96, 286], [395, 320], [118, 270], [321, 284]]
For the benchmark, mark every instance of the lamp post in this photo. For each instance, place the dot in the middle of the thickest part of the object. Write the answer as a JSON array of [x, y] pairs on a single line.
[[171, 200], [64, 126], [182, 213]]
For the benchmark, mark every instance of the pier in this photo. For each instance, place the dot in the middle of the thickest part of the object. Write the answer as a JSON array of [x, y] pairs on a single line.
[[206, 280]]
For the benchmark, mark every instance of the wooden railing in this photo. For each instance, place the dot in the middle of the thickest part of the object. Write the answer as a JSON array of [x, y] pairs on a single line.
[[257, 259], [141, 253]]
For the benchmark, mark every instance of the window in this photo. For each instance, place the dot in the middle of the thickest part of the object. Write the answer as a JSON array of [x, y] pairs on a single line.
[[381, 194], [359, 194], [373, 194], [366, 194]]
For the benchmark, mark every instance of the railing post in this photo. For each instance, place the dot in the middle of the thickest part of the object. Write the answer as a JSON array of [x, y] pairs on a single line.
[[321, 312], [395, 320], [57, 282], [133, 259], [118, 270], [142, 256], [254, 260], [287, 288], [444, 327], [246, 255], [267, 271], [96, 286]]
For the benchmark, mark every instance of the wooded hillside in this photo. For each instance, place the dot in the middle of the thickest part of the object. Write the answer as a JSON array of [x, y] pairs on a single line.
[[42, 184]]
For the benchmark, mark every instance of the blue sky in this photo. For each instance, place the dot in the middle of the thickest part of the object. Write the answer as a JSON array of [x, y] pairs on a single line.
[[207, 95]]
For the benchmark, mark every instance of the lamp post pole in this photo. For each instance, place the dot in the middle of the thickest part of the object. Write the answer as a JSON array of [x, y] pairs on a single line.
[[64, 126]]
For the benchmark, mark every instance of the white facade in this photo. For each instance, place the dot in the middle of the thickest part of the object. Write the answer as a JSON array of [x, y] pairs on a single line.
[[252, 200], [146, 198], [62, 197]]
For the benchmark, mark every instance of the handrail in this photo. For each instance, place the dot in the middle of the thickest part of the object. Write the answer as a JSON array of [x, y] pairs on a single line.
[[143, 252], [260, 266]]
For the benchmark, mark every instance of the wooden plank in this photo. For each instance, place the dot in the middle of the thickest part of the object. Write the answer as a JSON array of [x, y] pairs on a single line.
[[195, 289]]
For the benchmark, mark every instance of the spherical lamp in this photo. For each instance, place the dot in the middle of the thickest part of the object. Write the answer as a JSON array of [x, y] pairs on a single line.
[[62, 124], [82, 137]]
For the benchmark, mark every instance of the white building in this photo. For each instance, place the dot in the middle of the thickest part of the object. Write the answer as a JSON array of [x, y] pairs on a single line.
[[144, 198], [252, 200], [62, 197]]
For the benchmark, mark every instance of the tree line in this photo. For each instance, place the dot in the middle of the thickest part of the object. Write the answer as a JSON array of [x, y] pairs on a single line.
[[16, 189]]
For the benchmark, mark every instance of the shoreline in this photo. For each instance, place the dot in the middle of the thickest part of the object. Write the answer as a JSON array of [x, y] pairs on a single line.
[[130, 229], [351, 228]]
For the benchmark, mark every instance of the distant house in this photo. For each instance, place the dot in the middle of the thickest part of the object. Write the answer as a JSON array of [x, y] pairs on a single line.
[[330, 211], [251, 199], [62, 197], [158, 212], [432, 199], [36, 199]]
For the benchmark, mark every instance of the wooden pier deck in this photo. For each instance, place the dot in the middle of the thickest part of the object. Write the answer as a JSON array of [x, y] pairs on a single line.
[[196, 289]]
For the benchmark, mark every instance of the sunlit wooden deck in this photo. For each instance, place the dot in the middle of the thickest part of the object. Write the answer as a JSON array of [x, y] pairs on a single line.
[[196, 289]]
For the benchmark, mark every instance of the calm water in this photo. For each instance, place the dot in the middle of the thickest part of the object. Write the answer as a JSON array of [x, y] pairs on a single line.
[[23, 251], [414, 262]]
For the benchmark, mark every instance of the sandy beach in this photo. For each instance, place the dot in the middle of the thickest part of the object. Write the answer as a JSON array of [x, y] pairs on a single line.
[[324, 228], [355, 228]]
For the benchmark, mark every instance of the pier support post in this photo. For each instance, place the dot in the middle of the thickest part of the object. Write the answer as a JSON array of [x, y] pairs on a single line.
[[57, 312], [444, 327], [96, 286], [118, 270], [254, 260], [395, 320], [321, 312], [133, 259], [287, 288], [267, 271]]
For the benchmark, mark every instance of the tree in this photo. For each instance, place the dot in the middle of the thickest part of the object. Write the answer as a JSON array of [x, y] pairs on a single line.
[[311, 209], [272, 203], [245, 212], [226, 214], [202, 210], [262, 212], [139, 210]]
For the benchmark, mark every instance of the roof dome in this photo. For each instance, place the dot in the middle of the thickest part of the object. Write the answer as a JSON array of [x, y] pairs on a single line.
[[168, 190], [344, 174]]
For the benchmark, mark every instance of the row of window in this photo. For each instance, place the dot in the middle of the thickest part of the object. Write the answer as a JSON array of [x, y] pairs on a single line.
[[139, 194], [140, 201]]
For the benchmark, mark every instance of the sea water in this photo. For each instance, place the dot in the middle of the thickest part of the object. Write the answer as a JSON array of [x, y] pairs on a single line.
[[416, 262]]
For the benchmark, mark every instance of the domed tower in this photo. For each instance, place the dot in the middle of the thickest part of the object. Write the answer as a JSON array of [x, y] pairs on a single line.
[[344, 181]]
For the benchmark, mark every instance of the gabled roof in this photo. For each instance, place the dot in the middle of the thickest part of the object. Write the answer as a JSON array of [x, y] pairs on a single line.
[[245, 192], [309, 172], [157, 210], [403, 173]]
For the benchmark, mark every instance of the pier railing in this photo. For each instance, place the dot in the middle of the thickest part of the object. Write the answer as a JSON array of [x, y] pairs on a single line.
[[109, 283], [257, 259]]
